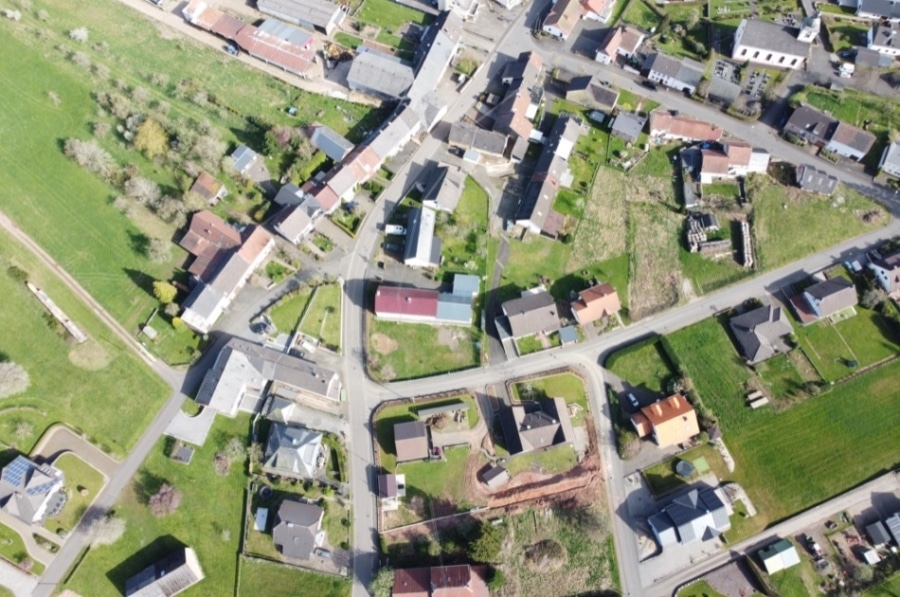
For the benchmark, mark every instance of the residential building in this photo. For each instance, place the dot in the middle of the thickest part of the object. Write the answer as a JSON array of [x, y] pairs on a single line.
[[169, 576], [591, 92], [444, 188], [436, 50], [664, 124], [535, 211], [31, 492], [319, 15], [562, 18], [523, 97], [850, 141], [879, 10], [279, 44], [830, 296], [394, 136], [535, 312], [811, 125], [621, 41], [779, 556], [682, 75], [764, 42], [814, 180], [441, 581], [423, 248], [467, 136], [415, 305], [597, 10], [209, 188], [884, 38], [596, 302], [243, 159], [210, 240], [890, 159], [411, 441], [760, 333], [887, 271], [244, 373], [670, 421], [878, 534], [298, 529], [628, 126], [294, 452], [380, 75], [391, 488], [735, 159], [866, 58], [330, 143], [531, 426], [893, 525], [700, 515], [295, 222]]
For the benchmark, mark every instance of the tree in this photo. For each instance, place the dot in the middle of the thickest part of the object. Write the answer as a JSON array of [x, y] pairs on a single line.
[[873, 297], [159, 250], [13, 379], [90, 156], [692, 19], [103, 530], [208, 151], [151, 139], [193, 202], [164, 291], [172, 309], [496, 580], [629, 444], [17, 273], [80, 34], [383, 583], [486, 548], [235, 449], [165, 501]]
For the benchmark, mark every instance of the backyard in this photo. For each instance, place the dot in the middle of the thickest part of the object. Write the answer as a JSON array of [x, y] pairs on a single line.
[[322, 316], [286, 312], [440, 484], [662, 477], [644, 365], [410, 350], [564, 385], [80, 477], [464, 233], [276, 580]]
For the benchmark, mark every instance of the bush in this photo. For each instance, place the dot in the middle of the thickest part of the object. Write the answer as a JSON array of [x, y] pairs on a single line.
[[486, 548], [165, 501], [17, 273], [497, 580]]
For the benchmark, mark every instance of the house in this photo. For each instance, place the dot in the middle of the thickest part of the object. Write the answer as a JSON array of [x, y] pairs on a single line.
[[31, 491], [562, 18], [620, 41], [887, 271], [681, 75], [815, 180], [423, 248], [441, 581], [866, 58], [330, 143], [209, 299], [435, 52], [830, 296], [391, 488], [467, 136], [771, 44], [779, 556], [893, 525], [444, 188], [243, 158], [735, 159], [699, 515], [878, 534], [523, 97], [850, 141], [380, 75], [210, 240], [294, 452], [597, 10], [811, 125], [297, 529], [495, 476], [664, 124], [533, 313], [596, 302], [295, 222], [890, 159], [670, 421], [879, 10], [244, 373], [532, 426], [411, 441], [590, 92], [760, 333], [884, 38], [318, 15], [535, 210], [209, 188], [171, 575], [628, 126]]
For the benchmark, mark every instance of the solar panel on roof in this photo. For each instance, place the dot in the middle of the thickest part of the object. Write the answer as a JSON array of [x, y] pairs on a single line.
[[16, 470]]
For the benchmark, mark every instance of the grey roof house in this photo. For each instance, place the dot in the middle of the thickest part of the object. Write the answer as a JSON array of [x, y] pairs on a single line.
[[683, 75], [466, 135], [243, 157], [815, 180], [830, 296], [537, 425], [886, 268], [380, 75], [320, 15], [444, 188], [423, 248], [628, 126], [411, 441], [878, 534], [760, 333], [588, 91], [699, 515], [169, 576], [456, 306], [811, 125], [294, 222], [31, 491], [330, 143], [535, 312], [293, 452], [297, 529]]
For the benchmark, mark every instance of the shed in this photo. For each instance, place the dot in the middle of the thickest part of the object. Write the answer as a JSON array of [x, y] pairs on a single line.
[[568, 335], [262, 518], [878, 534], [495, 476], [780, 555]]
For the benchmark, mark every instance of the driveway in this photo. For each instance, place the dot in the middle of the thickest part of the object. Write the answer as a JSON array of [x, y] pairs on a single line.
[[59, 439], [191, 430]]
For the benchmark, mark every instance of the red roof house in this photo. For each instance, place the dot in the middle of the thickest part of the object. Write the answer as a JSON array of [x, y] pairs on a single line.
[[400, 303]]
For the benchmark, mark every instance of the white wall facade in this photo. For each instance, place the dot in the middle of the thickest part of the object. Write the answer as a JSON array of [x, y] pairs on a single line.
[[844, 150]]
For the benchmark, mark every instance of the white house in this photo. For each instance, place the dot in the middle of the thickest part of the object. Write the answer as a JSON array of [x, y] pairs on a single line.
[[682, 75], [562, 18], [884, 39], [887, 271], [734, 160], [850, 141], [771, 44], [621, 41], [890, 159], [31, 491]]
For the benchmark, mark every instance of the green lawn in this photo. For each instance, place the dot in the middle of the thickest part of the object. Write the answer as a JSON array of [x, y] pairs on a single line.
[[780, 376], [643, 366], [565, 385], [390, 15], [442, 483], [98, 387], [345, 39], [662, 478], [209, 520], [287, 312], [699, 589], [323, 316], [708, 275], [410, 350], [13, 549], [797, 581], [528, 345], [890, 588], [464, 233], [550, 462], [640, 14], [79, 475], [529, 259], [276, 580]]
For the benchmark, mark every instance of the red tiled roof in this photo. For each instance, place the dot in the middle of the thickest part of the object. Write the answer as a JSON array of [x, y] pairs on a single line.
[[595, 6], [209, 229], [255, 244], [272, 49], [613, 40], [398, 300], [678, 126], [412, 582], [596, 302], [206, 186], [714, 162], [738, 153], [563, 15]]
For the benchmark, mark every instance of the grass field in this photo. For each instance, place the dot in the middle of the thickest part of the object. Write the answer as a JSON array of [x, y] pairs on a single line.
[[528, 345], [79, 475], [654, 233], [699, 589], [99, 387], [287, 312], [603, 231], [438, 480], [797, 581], [323, 316], [410, 350], [275, 580], [646, 366], [564, 385], [13, 549], [890, 588], [464, 233], [780, 375], [662, 478], [209, 520], [529, 259], [390, 15], [550, 462], [641, 15]]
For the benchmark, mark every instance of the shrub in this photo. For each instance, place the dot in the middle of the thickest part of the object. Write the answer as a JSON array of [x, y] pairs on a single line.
[[165, 501], [17, 273]]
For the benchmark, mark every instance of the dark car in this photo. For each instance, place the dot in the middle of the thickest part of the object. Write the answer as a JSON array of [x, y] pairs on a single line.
[[650, 85]]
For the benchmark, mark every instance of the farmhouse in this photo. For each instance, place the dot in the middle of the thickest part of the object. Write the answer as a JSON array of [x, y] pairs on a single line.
[[779, 556], [441, 581], [628, 126], [209, 239], [171, 575], [537, 425], [771, 44], [700, 515], [760, 333], [562, 18], [319, 15], [444, 188], [209, 188], [890, 159], [590, 92], [31, 492], [682, 75], [887, 271], [411, 441], [380, 75], [533, 313], [330, 143], [294, 452], [297, 529], [664, 124], [815, 180], [850, 141], [620, 41], [596, 302], [670, 421]]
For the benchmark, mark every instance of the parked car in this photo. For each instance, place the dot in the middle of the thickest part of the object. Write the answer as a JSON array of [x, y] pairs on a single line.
[[650, 85], [392, 247], [322, 553]]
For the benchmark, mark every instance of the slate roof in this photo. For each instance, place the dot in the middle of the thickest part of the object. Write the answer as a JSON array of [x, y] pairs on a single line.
[[812, 123], [296, 527], [893, 525], [243, 157], [765, 35], [295, 220], [682, 71], [815, 180], [760, 332], [469, 136], [331, 143], [168, 576], [434, 53], [891, 156], [292, 451], [628, 126], [444, 188], [588, 91], [832, 295], [318, 13], [542, 424], [698, 515], [866, 58], [387, 485], [878, 533], [380, 74], [532, 313]]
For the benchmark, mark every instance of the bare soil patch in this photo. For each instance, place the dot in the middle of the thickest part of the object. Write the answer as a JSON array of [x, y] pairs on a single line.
[[655, 270], [222, 463], [90, 355], [384, 344]]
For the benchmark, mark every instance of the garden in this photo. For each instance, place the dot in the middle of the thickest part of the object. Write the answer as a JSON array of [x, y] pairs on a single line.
[[399, 351], [464, 233]]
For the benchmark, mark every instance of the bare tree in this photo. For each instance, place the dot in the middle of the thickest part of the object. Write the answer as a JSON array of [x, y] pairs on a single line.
[[141, 95], [90, 156], [235, 449], [103, 530], [100, 128], [170, 209], [43, 15], [165, 501], [101, 71], [13, 379], [81, 59], [159, 250], [193, 202], [142, 190], [208, 151], [80, 34]]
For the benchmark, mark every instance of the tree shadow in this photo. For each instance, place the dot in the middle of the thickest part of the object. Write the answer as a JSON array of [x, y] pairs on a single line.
[[140, 242], [141, 280], [146, 485], [139, 560]]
